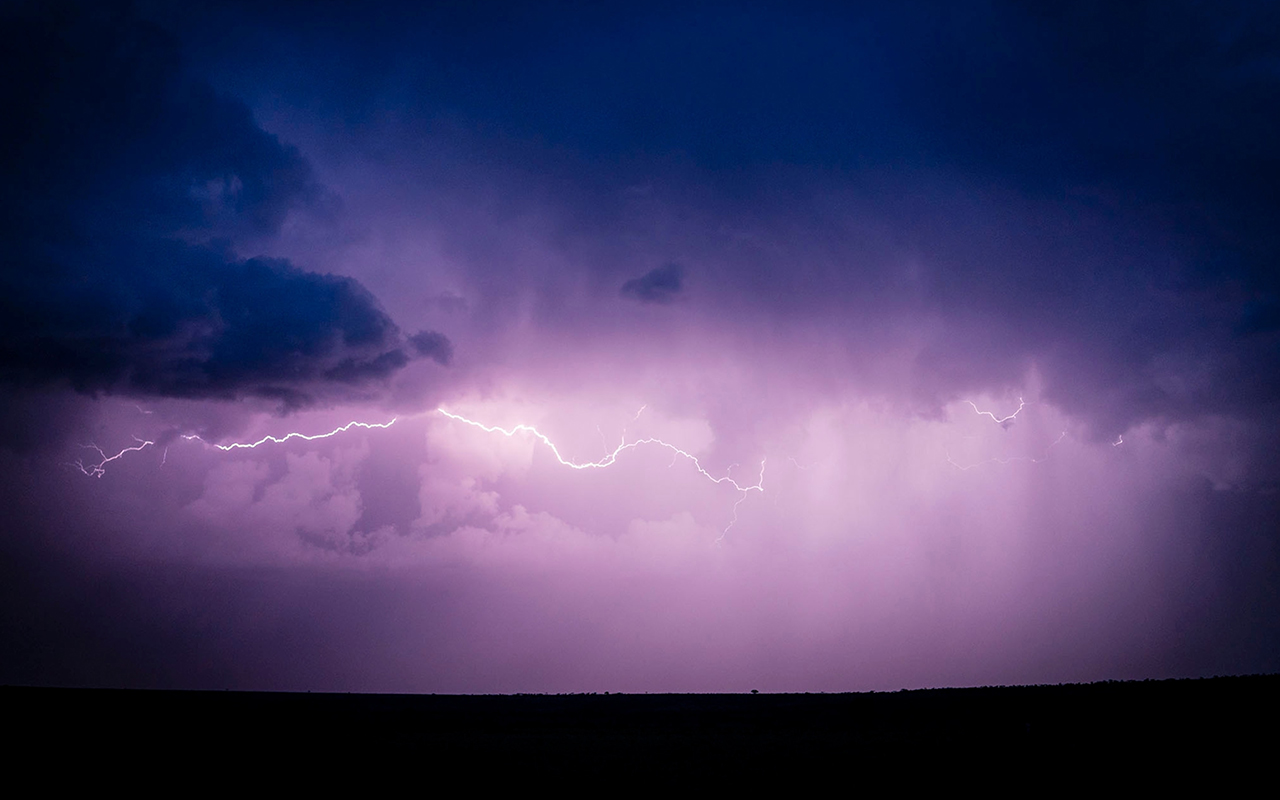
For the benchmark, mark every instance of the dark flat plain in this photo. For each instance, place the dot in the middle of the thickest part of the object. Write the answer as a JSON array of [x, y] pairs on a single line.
[[1224, 724]]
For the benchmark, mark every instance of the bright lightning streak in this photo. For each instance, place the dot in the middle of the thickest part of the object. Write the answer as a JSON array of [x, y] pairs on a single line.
[[738, 502], [293, 435], [1119, 441], [994, 418], [1010, 460], [609, 459], [612, 457], [100, 469]]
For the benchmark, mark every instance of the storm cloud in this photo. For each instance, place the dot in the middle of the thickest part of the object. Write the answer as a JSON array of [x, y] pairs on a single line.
[[127, 182], [789, 346], [661, 285]]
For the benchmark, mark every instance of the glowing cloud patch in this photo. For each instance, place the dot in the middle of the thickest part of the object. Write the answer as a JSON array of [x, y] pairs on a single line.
[[612, 457]]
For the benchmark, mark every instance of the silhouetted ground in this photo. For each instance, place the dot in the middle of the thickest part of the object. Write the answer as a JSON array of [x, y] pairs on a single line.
[[1165, 728]]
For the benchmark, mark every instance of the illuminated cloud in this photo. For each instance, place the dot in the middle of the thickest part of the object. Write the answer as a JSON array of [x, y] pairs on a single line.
[[973, 377]]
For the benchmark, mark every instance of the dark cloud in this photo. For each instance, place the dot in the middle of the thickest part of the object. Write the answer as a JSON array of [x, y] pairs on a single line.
[[433, 345], [126, 179], [33, 420], [1086, 188], [107, 130], [171, 319], [916, 203], [659, 285]]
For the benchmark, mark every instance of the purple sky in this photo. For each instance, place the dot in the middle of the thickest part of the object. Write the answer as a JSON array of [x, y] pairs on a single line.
[[977, 304]]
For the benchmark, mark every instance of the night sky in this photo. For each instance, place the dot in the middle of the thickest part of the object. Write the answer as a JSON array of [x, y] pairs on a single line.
[[868, 346]]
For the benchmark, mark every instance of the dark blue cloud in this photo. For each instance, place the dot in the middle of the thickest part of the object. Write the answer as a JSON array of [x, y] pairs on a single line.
[[125, 179], [171, 319], [1087, 187], [106, 129], [660, 285], [432, 345]]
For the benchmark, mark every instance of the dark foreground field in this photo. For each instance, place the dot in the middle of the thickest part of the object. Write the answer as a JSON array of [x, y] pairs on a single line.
[[1224, 725]]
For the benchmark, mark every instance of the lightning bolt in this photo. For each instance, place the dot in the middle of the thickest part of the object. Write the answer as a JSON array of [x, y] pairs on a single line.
[[611, 458], [1011, 459], [99, 469], [292, 435], [994, 418], [1119, 441]]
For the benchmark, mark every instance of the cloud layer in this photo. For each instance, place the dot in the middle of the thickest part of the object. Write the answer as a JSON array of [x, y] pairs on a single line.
[[129, 179], [981, 297]]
